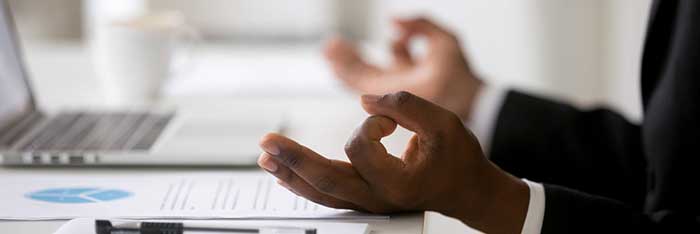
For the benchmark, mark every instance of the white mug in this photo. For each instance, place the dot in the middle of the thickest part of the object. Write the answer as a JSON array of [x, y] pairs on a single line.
[[135, 57]]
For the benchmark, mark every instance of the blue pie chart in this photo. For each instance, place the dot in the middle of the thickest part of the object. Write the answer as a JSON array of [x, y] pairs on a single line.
[[78, 195]]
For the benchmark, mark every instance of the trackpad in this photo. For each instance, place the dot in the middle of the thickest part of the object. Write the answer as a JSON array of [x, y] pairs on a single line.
[[216, 138]]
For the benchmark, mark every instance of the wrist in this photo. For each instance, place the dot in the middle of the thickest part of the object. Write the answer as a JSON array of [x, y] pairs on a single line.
[[499, 205]]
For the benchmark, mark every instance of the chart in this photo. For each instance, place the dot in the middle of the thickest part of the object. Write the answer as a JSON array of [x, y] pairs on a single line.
[[78, 195]]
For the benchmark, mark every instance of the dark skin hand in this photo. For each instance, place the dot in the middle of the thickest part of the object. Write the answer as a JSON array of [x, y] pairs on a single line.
[[443, 168]]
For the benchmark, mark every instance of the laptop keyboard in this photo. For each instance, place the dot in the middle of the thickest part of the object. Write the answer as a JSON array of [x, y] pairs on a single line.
[[98, 132]]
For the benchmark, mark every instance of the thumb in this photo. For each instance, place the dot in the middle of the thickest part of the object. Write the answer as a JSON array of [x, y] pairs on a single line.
[[410, 111]]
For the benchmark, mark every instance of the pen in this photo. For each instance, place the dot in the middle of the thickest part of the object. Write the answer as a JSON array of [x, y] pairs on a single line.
[[106, 227]]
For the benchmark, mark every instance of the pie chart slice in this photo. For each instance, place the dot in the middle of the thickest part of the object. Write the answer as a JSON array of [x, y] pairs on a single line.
[[78, 195], [59, 199]]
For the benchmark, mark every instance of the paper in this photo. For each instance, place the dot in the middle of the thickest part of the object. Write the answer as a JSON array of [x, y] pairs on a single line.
[[235, 195], [87, 226]]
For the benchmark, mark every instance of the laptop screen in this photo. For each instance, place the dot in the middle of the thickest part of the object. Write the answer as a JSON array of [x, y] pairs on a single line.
[[15, 95]]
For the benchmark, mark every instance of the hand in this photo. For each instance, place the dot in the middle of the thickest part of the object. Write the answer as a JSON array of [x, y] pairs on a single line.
[[442, 76], [443, 168]]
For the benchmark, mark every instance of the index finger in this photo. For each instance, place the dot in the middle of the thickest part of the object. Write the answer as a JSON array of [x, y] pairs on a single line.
[[323, 174], [367, 154], [420, 25], [410, 111]]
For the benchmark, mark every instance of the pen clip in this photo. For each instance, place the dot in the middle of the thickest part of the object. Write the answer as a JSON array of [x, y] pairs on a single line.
[[276, 230]]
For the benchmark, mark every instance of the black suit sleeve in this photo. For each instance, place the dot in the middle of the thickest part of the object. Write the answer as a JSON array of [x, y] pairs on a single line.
[[577, 154], [570, 211], [596, 151], [644, 181]]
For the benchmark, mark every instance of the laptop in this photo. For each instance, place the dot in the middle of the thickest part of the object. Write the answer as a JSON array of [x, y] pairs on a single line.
[[29, 136]]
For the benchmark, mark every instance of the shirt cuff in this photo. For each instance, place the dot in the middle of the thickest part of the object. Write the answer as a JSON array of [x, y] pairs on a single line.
[[535, 209], [484, 115]]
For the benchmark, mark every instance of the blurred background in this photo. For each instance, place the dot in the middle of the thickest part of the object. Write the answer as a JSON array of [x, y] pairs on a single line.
[[583, 51]]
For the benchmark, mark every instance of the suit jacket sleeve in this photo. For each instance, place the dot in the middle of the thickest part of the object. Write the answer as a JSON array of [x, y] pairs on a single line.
[[595, 151], [577, 154], [571, 211]]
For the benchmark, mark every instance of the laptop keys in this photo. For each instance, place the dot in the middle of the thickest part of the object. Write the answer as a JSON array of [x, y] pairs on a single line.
[[80, 132]]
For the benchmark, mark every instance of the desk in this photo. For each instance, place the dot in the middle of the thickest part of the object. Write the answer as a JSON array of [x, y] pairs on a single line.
[[62, 78]]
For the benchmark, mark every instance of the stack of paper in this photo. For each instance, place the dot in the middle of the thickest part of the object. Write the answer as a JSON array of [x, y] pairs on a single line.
[[235, 195]]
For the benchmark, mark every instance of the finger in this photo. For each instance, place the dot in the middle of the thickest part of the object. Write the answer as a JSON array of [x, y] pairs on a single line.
[[291, 181], [348, 65], [331, 177], [401, 53], [343, 169], [440, 40], [368, 155], [421, 26], [410, 111]]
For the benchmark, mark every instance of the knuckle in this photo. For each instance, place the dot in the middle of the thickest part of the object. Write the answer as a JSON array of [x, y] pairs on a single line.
[[286, 176], [385, 99], [292, 160], [325, 184], [355, 146], [402, 97], [396, 99], [351, 147], [433, 142]]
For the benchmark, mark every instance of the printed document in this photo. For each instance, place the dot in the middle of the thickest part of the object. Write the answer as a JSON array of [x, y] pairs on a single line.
[[234, 195]]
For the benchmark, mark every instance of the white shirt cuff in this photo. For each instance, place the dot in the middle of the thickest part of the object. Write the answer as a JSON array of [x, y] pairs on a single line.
[[535, 209], [485, 113]]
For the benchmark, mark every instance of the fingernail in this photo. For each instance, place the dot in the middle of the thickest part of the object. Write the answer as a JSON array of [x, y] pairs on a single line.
[[370, 98], [267, 163], [271, 148]]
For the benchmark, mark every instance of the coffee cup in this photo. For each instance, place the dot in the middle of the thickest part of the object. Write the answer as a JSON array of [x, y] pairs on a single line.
[[134, 58]]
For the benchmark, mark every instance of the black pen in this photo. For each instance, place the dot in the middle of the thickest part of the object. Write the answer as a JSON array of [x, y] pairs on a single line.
[[106, 227]]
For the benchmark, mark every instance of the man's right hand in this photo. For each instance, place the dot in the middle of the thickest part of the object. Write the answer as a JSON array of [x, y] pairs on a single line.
[[441, 169], [442, 76]]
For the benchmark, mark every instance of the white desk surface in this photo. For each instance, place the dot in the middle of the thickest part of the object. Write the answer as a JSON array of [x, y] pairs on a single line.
[[62, 78]]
